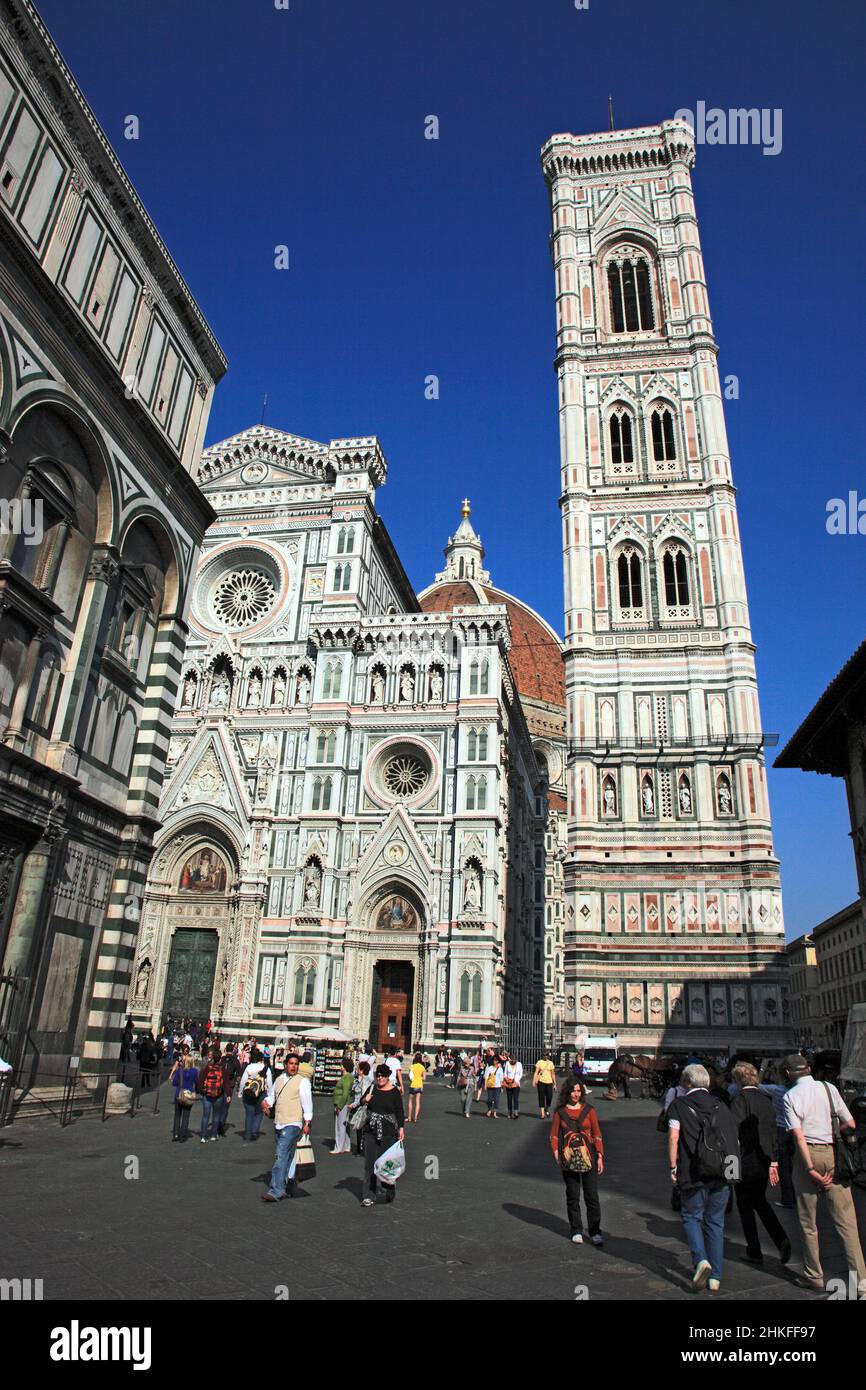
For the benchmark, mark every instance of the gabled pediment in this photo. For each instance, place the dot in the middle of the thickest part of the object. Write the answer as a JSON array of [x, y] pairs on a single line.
[[265, 457], [396, 848], [624, 211], [657, 385], [207, 775]]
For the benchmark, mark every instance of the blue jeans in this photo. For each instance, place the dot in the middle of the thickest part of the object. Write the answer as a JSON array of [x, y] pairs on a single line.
[[283, 1169], [209, 1114], [703, 1213], [252, 1119], [492, 1095]]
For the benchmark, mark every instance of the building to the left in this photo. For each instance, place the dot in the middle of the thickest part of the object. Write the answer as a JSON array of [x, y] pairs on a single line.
[[107, 370]]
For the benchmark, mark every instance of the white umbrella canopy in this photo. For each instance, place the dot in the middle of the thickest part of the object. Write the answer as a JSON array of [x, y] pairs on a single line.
[[327, 1035]]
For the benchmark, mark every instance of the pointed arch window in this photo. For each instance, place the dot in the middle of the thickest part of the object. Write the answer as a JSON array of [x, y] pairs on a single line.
[[676, 578], [479, 681], [629, 580], [332, 680], [621, 438], [476, 794], [470, 991], [326, 746], [476, 746], [629, 288], [662, 430], [322, 788], [345, 540], [305, 982]]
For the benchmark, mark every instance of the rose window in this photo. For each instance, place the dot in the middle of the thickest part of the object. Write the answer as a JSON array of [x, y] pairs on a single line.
[[404, 775], [243, 597]]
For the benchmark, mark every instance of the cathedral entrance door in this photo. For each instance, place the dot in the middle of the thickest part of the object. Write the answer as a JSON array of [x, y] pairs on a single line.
[[393, 989], [191, 970]]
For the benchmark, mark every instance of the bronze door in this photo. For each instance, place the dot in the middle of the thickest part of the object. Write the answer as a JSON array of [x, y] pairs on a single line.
[[191, 970]]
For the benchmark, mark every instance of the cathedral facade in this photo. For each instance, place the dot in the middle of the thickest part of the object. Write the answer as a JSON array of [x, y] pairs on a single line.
[[107, 370], [674, 931], [355, 821]]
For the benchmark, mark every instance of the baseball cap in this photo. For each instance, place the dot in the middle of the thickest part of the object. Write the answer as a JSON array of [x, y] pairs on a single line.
[[796, 1065]]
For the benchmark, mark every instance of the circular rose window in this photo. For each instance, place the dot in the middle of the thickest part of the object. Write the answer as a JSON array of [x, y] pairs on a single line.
[[243, 597], [404, 775]]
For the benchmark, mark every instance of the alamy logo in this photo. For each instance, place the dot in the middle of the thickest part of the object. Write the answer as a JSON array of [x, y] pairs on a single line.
[[738, 126], [77, 1343], [846, 517], [22, 517], [20, 1290]]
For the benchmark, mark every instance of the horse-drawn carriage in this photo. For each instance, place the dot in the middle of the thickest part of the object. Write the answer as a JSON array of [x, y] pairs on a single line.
[[655, 1074]]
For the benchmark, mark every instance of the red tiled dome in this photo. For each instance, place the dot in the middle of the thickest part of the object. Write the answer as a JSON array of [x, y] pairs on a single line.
[[536, 654]]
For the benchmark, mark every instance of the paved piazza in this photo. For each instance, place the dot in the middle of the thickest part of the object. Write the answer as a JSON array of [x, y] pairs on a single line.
[[492, 1225]]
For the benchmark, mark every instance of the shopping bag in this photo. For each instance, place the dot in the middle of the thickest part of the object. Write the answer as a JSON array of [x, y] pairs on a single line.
[[305, 1159], [391, 1164]]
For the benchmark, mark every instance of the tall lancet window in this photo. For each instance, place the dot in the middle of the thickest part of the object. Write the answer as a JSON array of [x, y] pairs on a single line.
[[631, 305]]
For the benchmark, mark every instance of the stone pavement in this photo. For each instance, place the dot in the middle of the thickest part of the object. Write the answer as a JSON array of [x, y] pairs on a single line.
[[491, 1225]]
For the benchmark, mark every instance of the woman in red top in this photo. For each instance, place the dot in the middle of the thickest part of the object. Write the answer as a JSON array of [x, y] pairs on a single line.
[[575, 1138]]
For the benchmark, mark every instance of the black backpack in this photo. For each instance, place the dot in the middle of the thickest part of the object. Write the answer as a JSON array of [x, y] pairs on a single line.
[[716, 1156]]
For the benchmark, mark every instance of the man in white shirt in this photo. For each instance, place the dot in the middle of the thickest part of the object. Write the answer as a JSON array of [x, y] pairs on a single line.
[[290, 1098], [809, 1117], [392, 1062]]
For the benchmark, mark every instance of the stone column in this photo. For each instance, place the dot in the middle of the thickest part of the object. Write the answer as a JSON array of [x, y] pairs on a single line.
[[33, 887]]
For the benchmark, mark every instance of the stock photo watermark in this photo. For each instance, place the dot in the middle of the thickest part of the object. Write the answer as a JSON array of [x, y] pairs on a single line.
[[22, 517], [846, 516], [738, 125]]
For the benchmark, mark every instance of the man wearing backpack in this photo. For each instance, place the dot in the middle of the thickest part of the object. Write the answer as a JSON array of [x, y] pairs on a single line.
[[211, 1088], [704, 1152], [813, 1111], [254, 1086]]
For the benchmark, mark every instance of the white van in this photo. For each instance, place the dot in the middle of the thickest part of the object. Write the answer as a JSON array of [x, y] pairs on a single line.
[[599, 1055]]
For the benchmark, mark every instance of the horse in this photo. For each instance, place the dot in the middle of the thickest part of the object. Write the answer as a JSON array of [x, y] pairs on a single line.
[[653, 1073]]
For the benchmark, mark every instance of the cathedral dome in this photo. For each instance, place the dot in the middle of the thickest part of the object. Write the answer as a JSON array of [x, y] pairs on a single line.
[[536, 651]]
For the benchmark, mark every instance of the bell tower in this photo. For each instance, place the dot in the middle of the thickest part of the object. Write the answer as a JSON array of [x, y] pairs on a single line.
[[674, 933]]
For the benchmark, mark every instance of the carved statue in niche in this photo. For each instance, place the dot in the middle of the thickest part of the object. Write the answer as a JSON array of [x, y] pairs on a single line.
[[436, 686], [312, 885], [189, 689], [648, 799], [254, 693], [303, 689], [377, 688], [219, 694], [724, 796], [609, 797], [471, 889], [278, 689], [685, 798], [407, 687], [142, 980]]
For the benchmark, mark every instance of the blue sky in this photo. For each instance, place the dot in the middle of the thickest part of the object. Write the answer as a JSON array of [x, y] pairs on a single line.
[[305, 127]]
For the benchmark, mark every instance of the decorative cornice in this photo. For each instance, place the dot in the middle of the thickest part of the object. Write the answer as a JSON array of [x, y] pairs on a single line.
[[26, 34], [643, 149]]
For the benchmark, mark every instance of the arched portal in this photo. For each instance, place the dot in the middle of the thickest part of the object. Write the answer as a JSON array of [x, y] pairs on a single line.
[[184, 955], [391, 974]]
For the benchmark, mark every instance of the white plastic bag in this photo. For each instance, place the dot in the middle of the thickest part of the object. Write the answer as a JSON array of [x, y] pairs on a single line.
[[391, 1164]]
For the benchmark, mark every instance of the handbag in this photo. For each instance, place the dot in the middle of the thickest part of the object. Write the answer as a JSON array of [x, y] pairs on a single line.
[[844, 1156], [185, 1097], [359, 1118], [574, 1153]]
